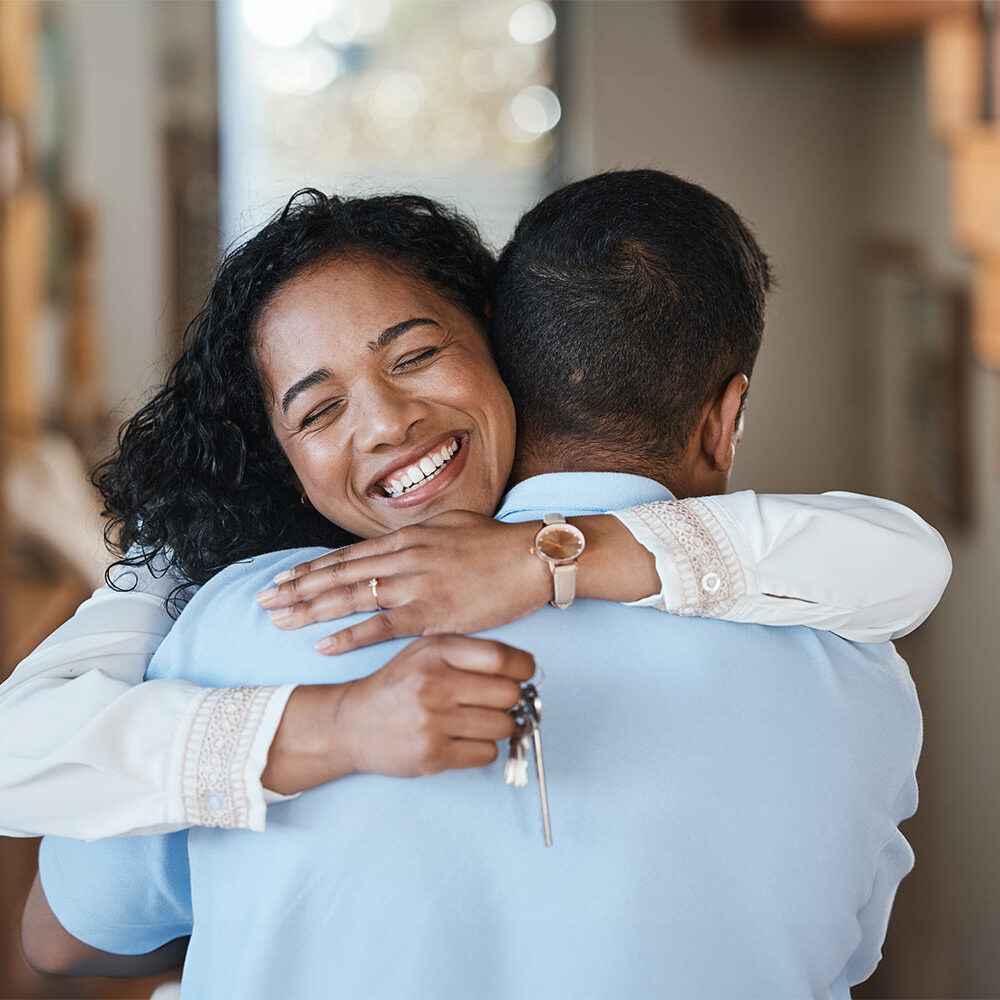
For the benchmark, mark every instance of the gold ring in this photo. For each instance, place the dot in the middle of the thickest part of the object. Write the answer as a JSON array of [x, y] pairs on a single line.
[[373, 584]]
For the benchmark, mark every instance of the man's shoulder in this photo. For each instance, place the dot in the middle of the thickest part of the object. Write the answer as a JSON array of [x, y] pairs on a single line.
[[264, 566], [224, 609], [224, 637], [802, 668], [248, 575]]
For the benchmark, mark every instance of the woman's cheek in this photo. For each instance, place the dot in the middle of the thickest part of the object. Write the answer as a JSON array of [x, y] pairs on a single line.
[[318, 463]]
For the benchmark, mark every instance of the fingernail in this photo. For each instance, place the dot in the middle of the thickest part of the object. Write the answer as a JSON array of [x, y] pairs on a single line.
[[266, 595], [325, 645], [284, 576], [280, 613]]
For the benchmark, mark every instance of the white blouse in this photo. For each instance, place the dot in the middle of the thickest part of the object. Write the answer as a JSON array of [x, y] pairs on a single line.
[[88, 751]]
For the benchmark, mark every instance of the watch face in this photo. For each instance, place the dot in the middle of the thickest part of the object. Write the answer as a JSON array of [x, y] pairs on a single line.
[[560, 542]]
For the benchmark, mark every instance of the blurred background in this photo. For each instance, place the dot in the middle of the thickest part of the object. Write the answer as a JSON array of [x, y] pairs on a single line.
[[858, 137]]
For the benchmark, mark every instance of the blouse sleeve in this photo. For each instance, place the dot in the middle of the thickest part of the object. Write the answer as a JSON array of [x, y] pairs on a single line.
[[867, 569], [88, 751]]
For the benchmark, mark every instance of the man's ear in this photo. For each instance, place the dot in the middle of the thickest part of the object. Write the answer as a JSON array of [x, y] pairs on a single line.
[[720, 433]]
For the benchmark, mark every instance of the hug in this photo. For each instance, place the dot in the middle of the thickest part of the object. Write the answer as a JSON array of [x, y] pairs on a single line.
[[375, 420]]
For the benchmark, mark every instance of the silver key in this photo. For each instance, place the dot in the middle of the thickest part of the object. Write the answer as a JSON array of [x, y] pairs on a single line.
[[527, 736], [515, 771]]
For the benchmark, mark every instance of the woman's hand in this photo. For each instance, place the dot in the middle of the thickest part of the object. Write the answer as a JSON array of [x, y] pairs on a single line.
[[457, 572], [440, 704]]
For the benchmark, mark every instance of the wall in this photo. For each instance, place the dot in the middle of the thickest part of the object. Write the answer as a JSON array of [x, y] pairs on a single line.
[[775, 134], [822, 151], [956, 911], [114, 160]]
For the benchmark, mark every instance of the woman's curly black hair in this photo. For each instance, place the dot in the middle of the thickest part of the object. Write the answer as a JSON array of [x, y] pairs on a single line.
[[198, 480]]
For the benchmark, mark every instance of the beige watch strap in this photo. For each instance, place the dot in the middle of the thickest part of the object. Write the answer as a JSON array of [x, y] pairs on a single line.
[[564, 574], [564, 584], [563, 577]]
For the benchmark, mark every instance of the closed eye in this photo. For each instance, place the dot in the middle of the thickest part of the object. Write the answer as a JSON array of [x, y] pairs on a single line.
[[417, 358], [313, 417]]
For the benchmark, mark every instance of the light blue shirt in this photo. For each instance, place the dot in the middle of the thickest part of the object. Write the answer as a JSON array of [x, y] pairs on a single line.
[[724, 798]]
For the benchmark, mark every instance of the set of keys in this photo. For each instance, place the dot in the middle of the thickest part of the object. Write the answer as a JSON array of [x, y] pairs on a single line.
[[528, 735]]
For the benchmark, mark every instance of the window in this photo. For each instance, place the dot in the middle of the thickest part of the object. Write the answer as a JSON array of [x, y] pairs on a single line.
[[452, 98]]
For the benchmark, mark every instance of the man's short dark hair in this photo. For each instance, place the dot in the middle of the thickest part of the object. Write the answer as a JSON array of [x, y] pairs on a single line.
[[623, 303]]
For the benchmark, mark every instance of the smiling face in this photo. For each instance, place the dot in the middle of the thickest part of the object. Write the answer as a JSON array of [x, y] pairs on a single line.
[[384, 397]]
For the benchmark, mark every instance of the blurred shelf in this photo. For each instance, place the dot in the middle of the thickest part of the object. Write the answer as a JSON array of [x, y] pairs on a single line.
[[954, 60], [808, 23], [986, 312], [18, 55], [975, 190], [864, 20]]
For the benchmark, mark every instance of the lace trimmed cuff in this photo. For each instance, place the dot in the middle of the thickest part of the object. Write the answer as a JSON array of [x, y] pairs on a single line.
[[699, 567], [224, 755]]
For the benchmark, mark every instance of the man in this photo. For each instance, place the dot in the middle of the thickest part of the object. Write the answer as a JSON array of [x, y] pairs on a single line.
[[724, 798]]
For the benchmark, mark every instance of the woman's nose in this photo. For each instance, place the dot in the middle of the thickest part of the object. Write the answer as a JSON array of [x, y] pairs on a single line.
[[386, 418]]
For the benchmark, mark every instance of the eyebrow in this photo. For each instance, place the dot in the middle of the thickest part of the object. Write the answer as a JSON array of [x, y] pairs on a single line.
[[383, 340], [306, 382], [388, 335]]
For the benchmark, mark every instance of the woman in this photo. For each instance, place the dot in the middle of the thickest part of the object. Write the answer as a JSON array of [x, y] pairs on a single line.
[[238, 455]]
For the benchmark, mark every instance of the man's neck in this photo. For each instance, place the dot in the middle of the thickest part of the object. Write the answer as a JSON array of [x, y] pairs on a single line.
[[530, 462]]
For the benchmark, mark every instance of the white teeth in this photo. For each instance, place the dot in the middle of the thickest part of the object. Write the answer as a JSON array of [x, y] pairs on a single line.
[[416, 475]]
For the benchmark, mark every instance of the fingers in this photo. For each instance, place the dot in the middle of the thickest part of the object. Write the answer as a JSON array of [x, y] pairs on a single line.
[[487, 656], [394, 541], [482, 656], [459, 755], [486, 691], [481, 724], [347, 599], [343, 580], [304, 568], [444, 701], [395, 623], [387, 555], [359, 550]]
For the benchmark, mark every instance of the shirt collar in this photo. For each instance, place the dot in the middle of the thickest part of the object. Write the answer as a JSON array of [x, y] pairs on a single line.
[[581, 492]]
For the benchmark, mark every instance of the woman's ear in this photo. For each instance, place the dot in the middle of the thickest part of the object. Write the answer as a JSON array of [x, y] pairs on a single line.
[[488, 309], [723, 426], [297, 486]]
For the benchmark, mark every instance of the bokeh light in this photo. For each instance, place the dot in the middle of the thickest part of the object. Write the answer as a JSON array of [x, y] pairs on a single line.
[[406, 93], [341, 25], [280, 25], [532, 22], [535, 110]]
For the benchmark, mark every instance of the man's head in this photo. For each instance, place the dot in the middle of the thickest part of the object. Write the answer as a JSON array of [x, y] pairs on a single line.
[[628, 315]]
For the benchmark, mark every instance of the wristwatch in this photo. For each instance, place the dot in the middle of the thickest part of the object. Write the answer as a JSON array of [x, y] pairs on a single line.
[[559, 544]]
